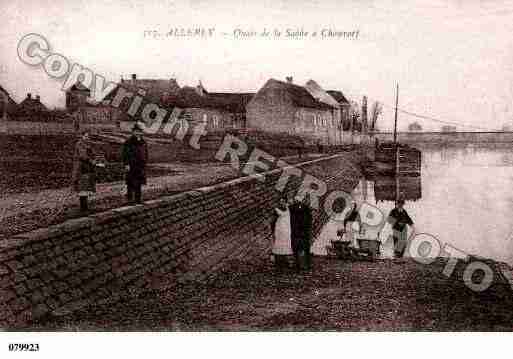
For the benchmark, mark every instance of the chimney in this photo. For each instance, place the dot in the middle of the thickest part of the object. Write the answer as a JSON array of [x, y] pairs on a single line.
[[289, 79], [134, 77], [29, 96]]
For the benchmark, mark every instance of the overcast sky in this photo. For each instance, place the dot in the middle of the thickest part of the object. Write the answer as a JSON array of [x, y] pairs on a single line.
[[453, 59]]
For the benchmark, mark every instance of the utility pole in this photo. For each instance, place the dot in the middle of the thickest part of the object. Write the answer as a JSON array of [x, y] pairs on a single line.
[[396, 103]]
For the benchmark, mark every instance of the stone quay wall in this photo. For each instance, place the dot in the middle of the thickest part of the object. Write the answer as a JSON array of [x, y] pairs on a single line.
[[163, 243]]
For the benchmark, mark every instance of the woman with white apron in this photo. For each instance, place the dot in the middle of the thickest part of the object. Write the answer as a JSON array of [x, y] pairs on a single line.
[[281, 246]]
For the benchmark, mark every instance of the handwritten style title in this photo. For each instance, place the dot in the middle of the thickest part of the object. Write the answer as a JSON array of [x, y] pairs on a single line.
[[241, 34], [299, 33]]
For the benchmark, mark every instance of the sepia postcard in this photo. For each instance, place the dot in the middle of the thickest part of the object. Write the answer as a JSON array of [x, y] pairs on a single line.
[[255, 166]]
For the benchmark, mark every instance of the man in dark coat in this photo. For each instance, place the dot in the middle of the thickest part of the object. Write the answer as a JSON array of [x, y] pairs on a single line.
[[301, 231], [399, 219], [135, 157]]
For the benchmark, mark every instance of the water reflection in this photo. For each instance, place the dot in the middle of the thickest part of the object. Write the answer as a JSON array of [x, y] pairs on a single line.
[[464, 199], [391, 188]]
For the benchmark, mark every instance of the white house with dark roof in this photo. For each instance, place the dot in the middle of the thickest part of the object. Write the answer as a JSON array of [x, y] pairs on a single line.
[[286, 107]]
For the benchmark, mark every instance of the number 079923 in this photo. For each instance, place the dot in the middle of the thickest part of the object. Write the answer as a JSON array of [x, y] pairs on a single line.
[[25, 347]]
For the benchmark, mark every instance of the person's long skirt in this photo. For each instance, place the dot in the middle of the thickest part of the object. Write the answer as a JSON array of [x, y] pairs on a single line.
[[282, 243], [400, 242]]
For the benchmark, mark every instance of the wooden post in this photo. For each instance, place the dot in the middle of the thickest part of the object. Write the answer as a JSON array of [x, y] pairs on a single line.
[[395, 122], [396, 174]]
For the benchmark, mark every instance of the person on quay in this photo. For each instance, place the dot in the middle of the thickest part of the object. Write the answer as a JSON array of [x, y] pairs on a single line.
[[352, 216], [281, 246], [84, 174], [399, 220], [301, 221], [135, 157]]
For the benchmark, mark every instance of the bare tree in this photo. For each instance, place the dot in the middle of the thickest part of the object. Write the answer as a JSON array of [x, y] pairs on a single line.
[[354, 115], [364, 115]]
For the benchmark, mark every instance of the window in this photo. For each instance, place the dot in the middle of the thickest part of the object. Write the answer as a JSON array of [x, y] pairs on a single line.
[[205, 119], [215, 121]]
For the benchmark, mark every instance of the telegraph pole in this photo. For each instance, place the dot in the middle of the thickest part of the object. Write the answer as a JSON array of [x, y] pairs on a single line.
[[396, 103]]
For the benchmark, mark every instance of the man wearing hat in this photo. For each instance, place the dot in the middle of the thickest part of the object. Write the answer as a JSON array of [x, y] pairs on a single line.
[[398, 219], [135, 157], [301, 222]]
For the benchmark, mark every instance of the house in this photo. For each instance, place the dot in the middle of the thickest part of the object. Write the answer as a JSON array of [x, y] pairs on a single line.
[[198, 106], [235, 104], [335, 132], [31, 109], [80, 106], [286, 107], [152, 90], [77, 96], [344, 104], [218, 111], [7, 105]]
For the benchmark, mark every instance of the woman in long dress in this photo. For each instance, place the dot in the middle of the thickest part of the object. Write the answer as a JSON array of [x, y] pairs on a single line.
[[84, 175], [352, 217], [282, 247]]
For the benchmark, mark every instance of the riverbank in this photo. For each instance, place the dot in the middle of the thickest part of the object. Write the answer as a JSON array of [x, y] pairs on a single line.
[[386, 295]]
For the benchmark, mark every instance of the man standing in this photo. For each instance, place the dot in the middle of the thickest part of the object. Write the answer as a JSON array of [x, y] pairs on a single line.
[[398, 219], [301, 232], [135, 157]]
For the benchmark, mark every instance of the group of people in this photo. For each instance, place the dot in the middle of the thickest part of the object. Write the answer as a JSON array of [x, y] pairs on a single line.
[[292, 231], [134, 156]]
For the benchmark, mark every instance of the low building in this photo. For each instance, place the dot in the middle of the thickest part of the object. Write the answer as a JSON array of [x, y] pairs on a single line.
[[235, 104], [83, 110], [31, 109], [218, 111], [198, 106], [289, 108]]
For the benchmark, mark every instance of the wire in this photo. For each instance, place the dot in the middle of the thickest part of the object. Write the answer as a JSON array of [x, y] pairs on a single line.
[[430, 118], [445, 122]]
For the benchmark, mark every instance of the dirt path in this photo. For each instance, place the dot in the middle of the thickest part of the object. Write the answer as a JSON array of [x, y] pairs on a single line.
[[391, 295]]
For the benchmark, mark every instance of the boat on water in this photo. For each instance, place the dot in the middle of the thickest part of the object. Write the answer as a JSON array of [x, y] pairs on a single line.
[[393, 158]]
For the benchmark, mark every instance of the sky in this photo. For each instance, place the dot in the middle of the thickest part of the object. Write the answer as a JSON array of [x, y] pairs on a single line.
[[453, 60]]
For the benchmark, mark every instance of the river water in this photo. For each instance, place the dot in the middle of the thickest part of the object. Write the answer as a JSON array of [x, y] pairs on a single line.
[[466, 201]]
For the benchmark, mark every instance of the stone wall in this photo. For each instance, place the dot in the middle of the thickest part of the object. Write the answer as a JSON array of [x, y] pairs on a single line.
[[191, 236], [48, 128]]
